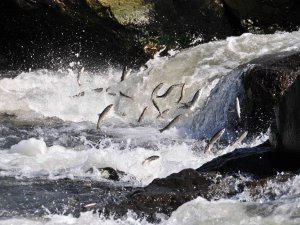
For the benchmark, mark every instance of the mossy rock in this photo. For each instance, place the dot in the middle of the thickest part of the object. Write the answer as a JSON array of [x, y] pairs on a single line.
[[128, 11]]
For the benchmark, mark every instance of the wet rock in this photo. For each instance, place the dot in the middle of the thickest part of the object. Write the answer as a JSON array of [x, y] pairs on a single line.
[[51, 34], [265, 16], [265, 80], [163, 195], [259, 162], [182, 21], [288, 119]]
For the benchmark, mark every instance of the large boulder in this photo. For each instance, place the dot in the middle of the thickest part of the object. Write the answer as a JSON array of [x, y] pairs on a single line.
[[265, 80], [265, 16], [288, 119]]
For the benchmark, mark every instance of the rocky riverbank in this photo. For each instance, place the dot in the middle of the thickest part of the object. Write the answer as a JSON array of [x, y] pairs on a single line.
[[51, 34]]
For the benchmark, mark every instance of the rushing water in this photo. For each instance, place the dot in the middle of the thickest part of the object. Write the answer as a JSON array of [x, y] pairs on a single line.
[[47, 131]]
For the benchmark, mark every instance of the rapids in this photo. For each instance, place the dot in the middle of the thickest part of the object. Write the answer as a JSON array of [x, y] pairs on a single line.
[[47, 131]]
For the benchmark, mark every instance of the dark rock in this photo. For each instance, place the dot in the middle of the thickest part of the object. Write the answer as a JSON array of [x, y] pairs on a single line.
[[288, 119], [163, 195], [182, 21], [261, 161], [49, 34], [265, 16], [265, 81]]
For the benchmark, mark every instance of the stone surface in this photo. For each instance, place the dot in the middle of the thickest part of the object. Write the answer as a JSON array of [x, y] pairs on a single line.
[[265, 16], [288, 118], [261, 161], [265, 80]]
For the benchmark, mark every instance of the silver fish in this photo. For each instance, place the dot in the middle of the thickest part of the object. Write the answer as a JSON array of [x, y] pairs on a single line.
[[191, 103], [214, 139], [142, 114], [90, 205], [238, 108], [124, 95], [110, 93], [79, 75], [125, 73], [80, 94], [163, 113], [173, 121], [181, 93], [98, 90], [168, 91], [156, 89], [240, 139], [156, 106], [149, 159], [102, 114]]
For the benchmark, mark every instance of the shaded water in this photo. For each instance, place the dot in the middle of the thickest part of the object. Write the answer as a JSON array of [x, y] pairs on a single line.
[[48, 133]]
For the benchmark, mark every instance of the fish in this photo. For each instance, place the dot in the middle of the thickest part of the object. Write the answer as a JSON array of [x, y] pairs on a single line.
[[191, 103], [149, 159], [240, 139], [238, 108], [90, 205], [163, 113], [98, 90], [181, 93], [156, 106], [213, 140], [110, 93], [79, 75], [142, 114], [173, 121], [168, 91], [124, 95], [80, 94], [102, 114], [125, 73], [156, 89]]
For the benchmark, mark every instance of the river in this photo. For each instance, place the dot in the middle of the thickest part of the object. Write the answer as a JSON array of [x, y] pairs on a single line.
[[48, 132]]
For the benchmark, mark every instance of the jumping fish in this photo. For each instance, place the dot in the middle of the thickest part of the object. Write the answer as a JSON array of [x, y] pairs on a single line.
[[124, 95], [214, 139], [156, 106], [240, 139], [149, 159], [98, 90], [142, 114], [168, 91], [191, 103], [110, 93], [126, 72], [163, 113], [181, 93], [102, 114], [170, 124], [238, 108], [79, 94], [156, 89], [79, 75], [90, 205]]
